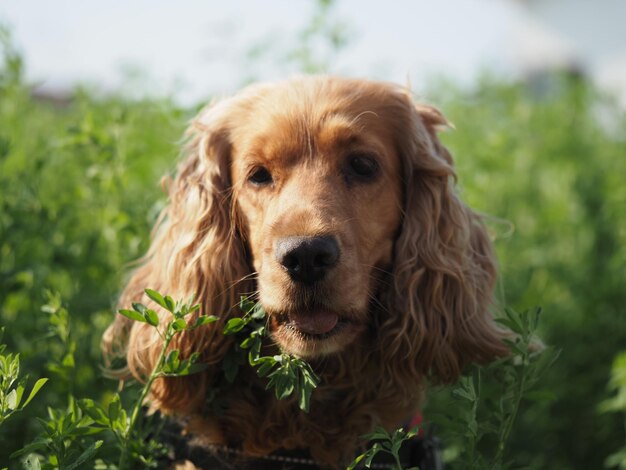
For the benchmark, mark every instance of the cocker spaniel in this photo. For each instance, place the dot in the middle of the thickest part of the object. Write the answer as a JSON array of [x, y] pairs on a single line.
[[332, 200]]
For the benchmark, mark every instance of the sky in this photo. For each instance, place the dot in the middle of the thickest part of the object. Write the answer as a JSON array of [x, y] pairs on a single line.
[[193, 49]]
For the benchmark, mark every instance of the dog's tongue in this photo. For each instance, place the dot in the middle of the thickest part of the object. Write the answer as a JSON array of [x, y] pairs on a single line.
[[315, 323]]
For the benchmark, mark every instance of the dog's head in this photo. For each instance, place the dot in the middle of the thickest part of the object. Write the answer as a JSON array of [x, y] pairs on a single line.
[[333, 200], [316, 177]]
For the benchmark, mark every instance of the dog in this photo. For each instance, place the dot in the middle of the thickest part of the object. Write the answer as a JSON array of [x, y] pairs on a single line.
[[332, 201]]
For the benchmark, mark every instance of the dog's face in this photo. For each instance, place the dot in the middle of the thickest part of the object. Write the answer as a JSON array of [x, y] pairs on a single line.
[[317, 185]]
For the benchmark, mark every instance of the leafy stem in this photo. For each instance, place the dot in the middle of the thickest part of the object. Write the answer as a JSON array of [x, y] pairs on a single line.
[[389, 443], [480, 419], [168, 363], [286, 373], [12, 388], [144, 393], [508, 426]]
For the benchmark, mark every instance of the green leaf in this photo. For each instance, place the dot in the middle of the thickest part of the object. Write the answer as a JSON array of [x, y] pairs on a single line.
[[179, 325], [89, 429], [255, 351], [170, 304], [266, 364], [38, 444], [282, 382], [304, 399], [133, 315], [151, 317], [139, 307], [40, 383], [413, 431], [230, 364], [379, 433], [114, 409], [356, 461], [156, 297], [258, 313], [246, 305], [507, 323], [464, 393], [514, 346], [396, 444], [372, 453], [537, 311], [172, 360], [122, 420], [191, 369], [516, 322], [204, 320], [234, 325], [94, 411], [87, 455]]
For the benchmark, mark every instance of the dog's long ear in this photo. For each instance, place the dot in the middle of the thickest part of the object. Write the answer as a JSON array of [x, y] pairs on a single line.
[[444, 268], [195, 250]]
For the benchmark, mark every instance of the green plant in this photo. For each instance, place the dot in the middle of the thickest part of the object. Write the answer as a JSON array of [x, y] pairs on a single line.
[[169, 362], [286, 373], [617, 404], [386, 442], [476, 425], [477, 420], [12, 387], [66, 442], [546, 172]]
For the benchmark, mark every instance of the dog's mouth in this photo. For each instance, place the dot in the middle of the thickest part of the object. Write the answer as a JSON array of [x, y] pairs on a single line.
[[313, 332], [316, 324]]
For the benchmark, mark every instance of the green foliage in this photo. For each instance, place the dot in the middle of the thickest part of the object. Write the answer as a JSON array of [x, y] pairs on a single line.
[[482, 408], [545, 165], [61, 362], [79, 196], [477, 416], [169, 363], [12, 387], [287, 374], [67, 440], [386, 442], [617, 404]]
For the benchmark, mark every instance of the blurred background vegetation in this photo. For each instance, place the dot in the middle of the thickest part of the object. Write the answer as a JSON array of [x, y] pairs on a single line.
[[79, 193]]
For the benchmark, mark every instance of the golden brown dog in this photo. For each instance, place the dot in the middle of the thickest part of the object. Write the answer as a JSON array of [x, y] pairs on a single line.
[[332, 200]]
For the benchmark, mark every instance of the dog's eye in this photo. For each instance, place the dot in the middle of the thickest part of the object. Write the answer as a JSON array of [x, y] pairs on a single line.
[[260, 176], [362, 166]]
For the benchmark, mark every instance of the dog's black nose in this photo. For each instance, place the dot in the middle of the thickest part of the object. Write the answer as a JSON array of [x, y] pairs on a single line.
[[307, 259]]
